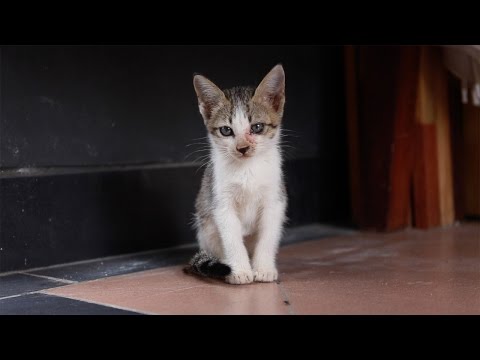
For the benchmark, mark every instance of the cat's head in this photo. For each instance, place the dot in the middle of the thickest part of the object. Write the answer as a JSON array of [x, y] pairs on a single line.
[[243, 121]]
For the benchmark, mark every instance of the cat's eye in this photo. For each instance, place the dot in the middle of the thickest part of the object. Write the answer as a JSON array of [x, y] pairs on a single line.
[[257, 128], [226, 131]]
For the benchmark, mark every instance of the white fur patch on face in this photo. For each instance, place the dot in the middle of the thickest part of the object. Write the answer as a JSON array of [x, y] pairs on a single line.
[[240, 124]]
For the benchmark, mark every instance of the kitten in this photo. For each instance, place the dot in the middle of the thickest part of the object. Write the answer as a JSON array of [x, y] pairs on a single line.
[[240, 208]]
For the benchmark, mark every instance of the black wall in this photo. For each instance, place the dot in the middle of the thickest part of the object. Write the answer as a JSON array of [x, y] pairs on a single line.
[[93, 143]]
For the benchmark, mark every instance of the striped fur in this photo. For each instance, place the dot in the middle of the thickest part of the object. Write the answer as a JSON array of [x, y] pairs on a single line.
[[206, 265]]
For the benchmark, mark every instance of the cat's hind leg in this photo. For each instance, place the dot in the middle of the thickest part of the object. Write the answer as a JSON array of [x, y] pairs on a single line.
[[209, 238]]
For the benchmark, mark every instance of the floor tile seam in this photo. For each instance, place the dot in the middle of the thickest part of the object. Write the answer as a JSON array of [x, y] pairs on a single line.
[[22, 294], [64, 281]]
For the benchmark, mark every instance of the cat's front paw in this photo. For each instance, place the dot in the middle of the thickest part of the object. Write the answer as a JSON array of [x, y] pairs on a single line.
[[240, 277], [265, 275]]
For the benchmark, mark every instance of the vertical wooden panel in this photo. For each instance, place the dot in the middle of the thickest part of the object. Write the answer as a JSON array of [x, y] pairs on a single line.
[[432, 110], [456, 138], [425, 111], [401, 166], [400, 138], [381, 134], [352, 127], [444, 148], [425, 180], [472, 160], [377, 79]]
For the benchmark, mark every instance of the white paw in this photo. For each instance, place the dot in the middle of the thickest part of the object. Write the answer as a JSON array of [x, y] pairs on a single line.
[[268, 275], [240, 277]]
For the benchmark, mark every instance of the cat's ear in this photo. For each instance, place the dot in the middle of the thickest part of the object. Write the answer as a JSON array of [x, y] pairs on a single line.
[[209, 95], [271, 90]]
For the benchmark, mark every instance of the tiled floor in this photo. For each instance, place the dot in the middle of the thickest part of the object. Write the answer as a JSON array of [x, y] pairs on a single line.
[[407, 272]]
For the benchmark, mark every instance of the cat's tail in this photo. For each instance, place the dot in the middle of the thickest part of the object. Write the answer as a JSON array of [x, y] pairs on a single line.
[[206, 265]]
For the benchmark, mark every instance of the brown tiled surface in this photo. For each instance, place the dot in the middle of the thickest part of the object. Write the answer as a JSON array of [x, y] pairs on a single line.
[[170, 291], [407, 272]]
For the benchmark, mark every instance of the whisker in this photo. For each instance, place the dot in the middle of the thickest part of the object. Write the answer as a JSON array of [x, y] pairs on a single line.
[[194, 152], [200, 138], [201, 159], [197, 143], [198, 150], [203, 165]]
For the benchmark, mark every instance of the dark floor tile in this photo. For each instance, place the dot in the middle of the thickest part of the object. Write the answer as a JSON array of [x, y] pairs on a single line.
[[118, 266], [41, 304], [16, 284], [168, 257]]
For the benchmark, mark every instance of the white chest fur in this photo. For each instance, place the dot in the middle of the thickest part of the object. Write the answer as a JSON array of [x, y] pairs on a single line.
[[247, 186]]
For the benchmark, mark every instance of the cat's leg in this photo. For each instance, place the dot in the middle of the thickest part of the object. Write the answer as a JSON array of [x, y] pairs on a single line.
[[209, 238], [269, 234], [234, 251]]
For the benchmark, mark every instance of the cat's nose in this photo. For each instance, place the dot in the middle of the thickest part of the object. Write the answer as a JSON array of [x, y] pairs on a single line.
[[243, 150]]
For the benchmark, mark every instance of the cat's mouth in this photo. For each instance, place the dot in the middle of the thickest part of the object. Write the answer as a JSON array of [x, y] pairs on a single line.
[[245, 156]]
